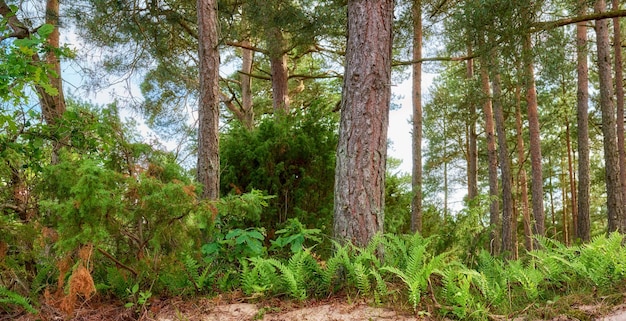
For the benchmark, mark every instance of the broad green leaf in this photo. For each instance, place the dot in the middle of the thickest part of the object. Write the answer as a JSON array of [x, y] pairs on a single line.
[[45, 30]]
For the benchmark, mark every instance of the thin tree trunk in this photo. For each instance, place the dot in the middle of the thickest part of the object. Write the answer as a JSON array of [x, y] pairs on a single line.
[[494, 207], [534, 141], [552, 208], [445, 170], [609, 127], [619, 103], [247, 110], [505, 169], [572, 180], [472, 150], [52, 106], [208, 110], [582, 101], [416, 203], [564, 222], [523, 184], [362, 147]]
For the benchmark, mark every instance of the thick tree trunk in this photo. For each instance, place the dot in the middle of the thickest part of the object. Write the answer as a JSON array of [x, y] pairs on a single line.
[[494, 207], [416, 203], [208, 169], [536, 183], [611, 157], [522, 182], [582, 101], [280, 73], [505, 169], [619, 104], [362, 147]]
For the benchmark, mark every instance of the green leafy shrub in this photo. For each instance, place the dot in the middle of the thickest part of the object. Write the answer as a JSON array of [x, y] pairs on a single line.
[[294, 234], [289, 156]]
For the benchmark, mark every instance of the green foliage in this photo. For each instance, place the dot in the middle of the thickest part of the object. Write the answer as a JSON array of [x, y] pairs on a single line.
[[457, 291], [241, 211], [418, 269], [294, 234], [397, 199], [296, 278], [289, 156], [235, 245], [8, 299]]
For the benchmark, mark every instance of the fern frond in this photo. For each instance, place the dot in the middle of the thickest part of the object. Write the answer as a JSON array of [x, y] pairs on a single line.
[[289, 280], [381, 287], [259, 279], [338, 266], [11, 298], [361, 278]]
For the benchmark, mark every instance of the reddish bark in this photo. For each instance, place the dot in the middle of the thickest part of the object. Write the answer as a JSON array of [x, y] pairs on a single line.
[[611, 158], [208, 110], [362, 147], [582, 102], [494, 207]]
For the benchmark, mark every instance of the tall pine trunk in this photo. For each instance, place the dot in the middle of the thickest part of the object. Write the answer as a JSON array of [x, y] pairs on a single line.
[[522, 185], [472, 137], [505, 169], [582, 105], [494, 206], [619, 104], [534, 141], [362, 147], [615, 205], [208, 110], [572, 179], [416, 203]]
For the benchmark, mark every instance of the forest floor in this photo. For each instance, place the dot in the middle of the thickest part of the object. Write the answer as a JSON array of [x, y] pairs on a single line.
[[332, 309]]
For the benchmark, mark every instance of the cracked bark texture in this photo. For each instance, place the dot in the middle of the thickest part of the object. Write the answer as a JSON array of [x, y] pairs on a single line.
[[362, 147]]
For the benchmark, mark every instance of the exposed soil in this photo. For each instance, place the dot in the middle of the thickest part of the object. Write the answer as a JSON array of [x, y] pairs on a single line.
[[220, 309]]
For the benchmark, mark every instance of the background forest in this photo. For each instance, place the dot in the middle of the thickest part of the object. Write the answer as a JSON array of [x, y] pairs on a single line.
[[235, 178]]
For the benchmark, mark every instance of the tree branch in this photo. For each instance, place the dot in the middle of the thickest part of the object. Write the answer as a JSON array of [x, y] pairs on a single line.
[[410, 62], [117, 262], [547, 25], [20, 31], [254, 75], [246, 46]]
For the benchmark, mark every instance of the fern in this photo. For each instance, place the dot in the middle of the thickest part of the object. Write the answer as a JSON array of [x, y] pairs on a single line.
[[258, 279], [306, 269], [338, 266], [361, 278], [456, 291], [40, 281], [200, 277], [381, 287], [417, 272], [8, 297], [528, 277], [396, 250], [491, 278], [290, 280]]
